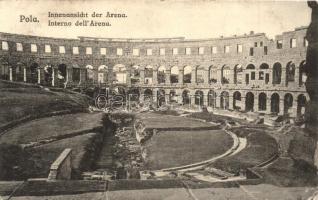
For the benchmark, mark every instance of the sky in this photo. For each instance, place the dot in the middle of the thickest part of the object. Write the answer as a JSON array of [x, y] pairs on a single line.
[[158, 18]]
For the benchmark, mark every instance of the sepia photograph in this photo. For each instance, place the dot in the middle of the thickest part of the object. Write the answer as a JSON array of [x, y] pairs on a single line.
[[158, 100]]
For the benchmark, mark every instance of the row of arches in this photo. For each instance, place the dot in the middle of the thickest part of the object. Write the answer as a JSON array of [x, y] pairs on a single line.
[[274, 103], [174, 74]]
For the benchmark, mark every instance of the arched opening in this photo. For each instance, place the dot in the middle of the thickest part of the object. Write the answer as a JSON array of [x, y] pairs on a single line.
[[212, 99], [186, 97], [161, 97], [249, 102], [277, 73], [262, 102], [213, 77], [301, 105], [4, 71], [187, 70], [89, 73], [174, 74], [48, 74], [200, 74], [225, 74], [120, 74], [148, 95], [19, 72], [148, 75], [198, 98], [173, 97], [237, 100], [290, 72], [133, 94], [161, 74], [275, 103], [61, 75], [302, 74], [76, 73], [135, 74], [34, 73], [102, 74], [224, 100], [238, 74], [250, 73], [288, 103], [264, 73]]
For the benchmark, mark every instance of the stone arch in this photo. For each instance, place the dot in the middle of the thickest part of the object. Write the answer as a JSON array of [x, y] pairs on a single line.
[[33, 73], [250, 73], [48, 74], [76, 73], [135, 74], [120, 74], [187, 74], [277, 73], [225, 74], [301, 105], [224, 100], [290, 72], [288, 103], [238, 74], [237, 100], [173, 96], [186, 97], [212, 99], [4, 71], [102, 74], [200, 73], [302, 74], [213, 75], [161, 97], [199, 97], [249, 101], [263, 73], [174, 75], [148, 95], [133, 94], [275, 103], [262, 98], [148, 74], [161, 74], [89, 73]]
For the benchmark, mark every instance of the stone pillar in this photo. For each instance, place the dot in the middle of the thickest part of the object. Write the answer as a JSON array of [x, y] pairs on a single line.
[[53, 77], [24, 74], [155, 77], [155, 95], [294, 108], [39, 76], [243, 106], [281, 107], [255, 107], [283, 77], [180, 76], [128, 75], [205, 98], [206, 77], [167, 76], [231, 99], [142, 76], [194, 75], [141, 97], [218, 99], [10, 74], [69, 74], [268, 105]]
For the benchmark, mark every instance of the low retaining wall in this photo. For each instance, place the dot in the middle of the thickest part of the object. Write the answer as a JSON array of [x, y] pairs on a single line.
[[61, 169]]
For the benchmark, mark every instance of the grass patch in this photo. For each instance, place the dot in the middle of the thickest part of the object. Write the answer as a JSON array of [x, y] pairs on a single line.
[[260, 147], [177, 148], [84, 150]]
